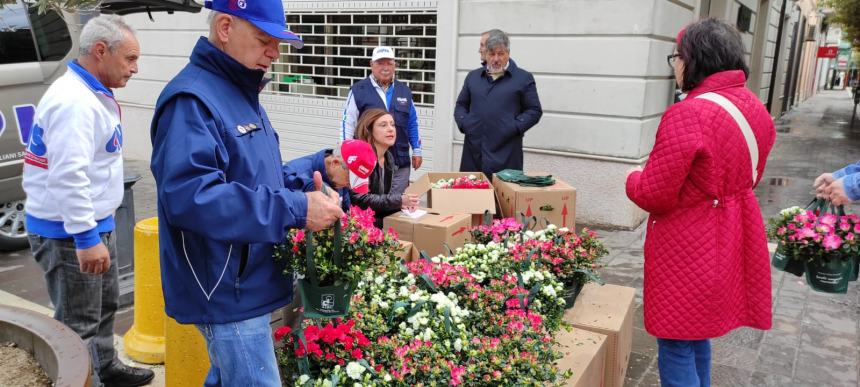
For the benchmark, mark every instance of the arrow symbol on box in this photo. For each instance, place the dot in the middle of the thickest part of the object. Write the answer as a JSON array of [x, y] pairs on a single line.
[[447, 218], [460, 231], [529, 210], [564, 215]]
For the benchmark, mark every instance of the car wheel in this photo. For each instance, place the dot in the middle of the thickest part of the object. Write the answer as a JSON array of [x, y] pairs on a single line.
[[13, 233]]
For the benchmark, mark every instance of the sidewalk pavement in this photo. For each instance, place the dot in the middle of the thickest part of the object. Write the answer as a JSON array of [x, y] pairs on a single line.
[[814, 340]]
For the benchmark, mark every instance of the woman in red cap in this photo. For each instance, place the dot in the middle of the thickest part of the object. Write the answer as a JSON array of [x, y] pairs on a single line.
[[376, 127], [706, 258]]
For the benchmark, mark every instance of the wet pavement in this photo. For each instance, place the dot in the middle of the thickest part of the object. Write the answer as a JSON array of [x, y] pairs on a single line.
[[814, 340]]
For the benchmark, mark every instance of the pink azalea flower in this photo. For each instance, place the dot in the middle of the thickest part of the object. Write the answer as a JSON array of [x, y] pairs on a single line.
[[844, 226], [832, 242], [806, 232], [849, 237], [829, 219]]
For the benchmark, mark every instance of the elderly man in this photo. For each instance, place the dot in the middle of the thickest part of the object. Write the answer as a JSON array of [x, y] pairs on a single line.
[[380, 90], [222, 203], [498, 104], [73, 180]]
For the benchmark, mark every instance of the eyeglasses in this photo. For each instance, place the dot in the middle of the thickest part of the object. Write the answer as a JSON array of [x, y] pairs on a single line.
[[670, 59]]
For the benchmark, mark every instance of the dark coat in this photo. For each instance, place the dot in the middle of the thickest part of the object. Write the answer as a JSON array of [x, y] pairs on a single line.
[[379, 196], [494, 116]]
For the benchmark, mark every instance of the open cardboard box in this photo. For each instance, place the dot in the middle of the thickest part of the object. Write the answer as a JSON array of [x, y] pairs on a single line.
[[556, 203], [442, 200], [430, 231], [607, 310], [409, 253]]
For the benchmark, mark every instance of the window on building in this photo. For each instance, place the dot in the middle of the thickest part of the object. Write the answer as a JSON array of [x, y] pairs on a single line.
[[26, 36], [338, 46]]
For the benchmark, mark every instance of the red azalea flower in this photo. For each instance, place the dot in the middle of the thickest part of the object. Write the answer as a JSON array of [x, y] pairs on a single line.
[[281, 332]]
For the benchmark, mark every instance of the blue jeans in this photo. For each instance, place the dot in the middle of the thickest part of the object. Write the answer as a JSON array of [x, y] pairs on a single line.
[[684, 363], [241, 353], [84, 302]]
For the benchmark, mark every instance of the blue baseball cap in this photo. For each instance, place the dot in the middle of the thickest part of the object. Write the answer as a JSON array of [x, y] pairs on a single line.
[[267, 15]]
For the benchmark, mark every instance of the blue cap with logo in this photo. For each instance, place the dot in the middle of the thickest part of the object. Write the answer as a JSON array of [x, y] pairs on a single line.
[[267, 15]]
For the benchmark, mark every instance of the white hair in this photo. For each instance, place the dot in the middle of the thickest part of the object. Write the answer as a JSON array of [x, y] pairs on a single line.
[[108, 29]]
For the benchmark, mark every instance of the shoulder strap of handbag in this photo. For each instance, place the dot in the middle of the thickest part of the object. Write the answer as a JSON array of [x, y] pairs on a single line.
[[730, 108]]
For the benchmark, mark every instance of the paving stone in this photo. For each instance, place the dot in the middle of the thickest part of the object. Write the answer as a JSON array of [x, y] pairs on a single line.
[[726, 354], [761, 379], [651, 379], [744, 337], [638, 365], [828, 342], [725, 376], [776, 359], [827, 369], [630, 382], [643, 343], [833, 320], [788, 339], [786, 324]]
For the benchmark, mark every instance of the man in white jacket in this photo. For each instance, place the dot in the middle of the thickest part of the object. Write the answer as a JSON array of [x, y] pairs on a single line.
[[73, 179]]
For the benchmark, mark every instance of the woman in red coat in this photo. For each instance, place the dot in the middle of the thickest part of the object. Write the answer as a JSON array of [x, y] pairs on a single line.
[[706, 258]]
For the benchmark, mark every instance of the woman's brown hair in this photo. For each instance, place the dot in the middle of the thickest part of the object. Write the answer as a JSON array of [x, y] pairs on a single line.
[[364, 128]]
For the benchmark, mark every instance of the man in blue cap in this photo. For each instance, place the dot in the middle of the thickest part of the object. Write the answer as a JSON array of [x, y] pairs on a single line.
[[222, 203]]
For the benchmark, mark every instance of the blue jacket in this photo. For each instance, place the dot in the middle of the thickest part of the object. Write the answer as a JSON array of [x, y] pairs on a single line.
[[401, 108], [851, 173], [221, 197], [299, 175], [494, 116]]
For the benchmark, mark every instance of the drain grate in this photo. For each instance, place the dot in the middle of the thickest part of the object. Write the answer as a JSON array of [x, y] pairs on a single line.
[[779, 181]]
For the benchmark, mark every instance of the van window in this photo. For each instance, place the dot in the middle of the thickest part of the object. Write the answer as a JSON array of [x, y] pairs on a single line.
[[26, 36], [16, 38], [53, 39]]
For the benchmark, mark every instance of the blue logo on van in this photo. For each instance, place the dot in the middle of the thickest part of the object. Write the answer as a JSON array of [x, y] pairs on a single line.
[[36, 144], [115, 142]]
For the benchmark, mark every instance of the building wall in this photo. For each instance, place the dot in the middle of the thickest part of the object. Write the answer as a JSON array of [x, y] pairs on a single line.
[[603, 80]]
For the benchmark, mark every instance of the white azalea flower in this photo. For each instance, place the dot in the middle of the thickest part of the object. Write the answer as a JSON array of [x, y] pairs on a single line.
[[303, 379], [458, 345], [354, 370]]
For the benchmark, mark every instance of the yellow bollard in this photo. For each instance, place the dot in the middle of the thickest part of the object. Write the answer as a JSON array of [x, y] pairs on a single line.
[[144, 342], [186, 361]]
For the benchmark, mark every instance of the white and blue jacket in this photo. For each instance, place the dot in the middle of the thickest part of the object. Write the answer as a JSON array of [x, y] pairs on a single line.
[[221, 196], [73, 162]]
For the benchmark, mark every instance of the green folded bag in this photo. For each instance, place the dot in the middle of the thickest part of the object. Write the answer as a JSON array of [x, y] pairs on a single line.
[[518, 177]]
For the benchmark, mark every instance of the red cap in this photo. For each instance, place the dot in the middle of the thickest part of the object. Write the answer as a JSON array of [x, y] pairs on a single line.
[[360, 159]]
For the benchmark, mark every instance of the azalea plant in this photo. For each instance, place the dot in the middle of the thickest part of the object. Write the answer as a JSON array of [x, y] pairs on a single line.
[[363, 246], [808, 234], [463, 182], [499, 230], [486, 315], [572, 258]]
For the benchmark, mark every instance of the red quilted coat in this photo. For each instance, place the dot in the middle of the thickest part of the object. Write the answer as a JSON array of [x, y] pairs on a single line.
[[707, 267]]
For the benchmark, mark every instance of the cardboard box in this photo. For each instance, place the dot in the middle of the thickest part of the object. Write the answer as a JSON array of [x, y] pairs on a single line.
[[584, 353], [428, 232], [557, 202], [409, 252], [442, 200], [607, 310]]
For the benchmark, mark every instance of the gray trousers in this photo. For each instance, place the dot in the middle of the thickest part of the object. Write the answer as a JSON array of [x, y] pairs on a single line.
[[84, 302], [400, 179]]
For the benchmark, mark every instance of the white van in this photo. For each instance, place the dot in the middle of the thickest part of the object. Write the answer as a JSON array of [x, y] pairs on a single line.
[[34, 50]]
